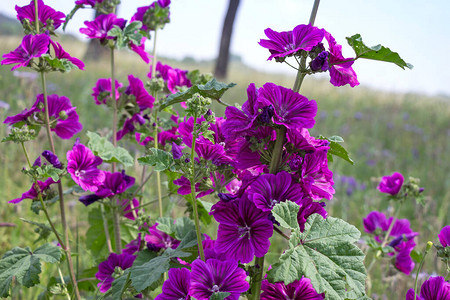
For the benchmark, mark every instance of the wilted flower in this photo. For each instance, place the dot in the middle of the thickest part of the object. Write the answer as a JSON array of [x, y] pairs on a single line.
[[61, 54]]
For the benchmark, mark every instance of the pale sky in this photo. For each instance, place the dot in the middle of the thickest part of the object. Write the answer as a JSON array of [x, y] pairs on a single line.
[[417, 30]]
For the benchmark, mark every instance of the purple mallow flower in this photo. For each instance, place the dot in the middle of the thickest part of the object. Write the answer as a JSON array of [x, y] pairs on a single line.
[[32, 46], [32, 193], [52, 159], [61, 54], [434, 288], [111, 267], [317, 180], [176, 287], [88, 2], [444, 236], [289, 108], [137, 89], [298, 290], [270, 189], [141, 12], [287, 43], [244, 230], [391, 184], [173, 77], [82, 166], [46, 14], [341, 71], [99, 28], [156, 239], [215, 276], [114, 184], [102, 90]]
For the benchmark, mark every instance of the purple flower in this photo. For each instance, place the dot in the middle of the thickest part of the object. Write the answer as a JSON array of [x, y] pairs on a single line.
[[177, 151], [213, 152], [99, 28], [341, 71], [290, 109], [176, 287], [140, 15], [32, 193], [45, 14], [102, 90], [244, 230], [444, 236], [114, 184], [129, 125], [128, 210], [88, 2], [61, 54], [320, 63], [140, 50], [215, 276], [307, 208], [317, 179], [82, 166], [137, 89], [52, 159], [391, 184], [107, 269], [32, 46], [375, 220], [434, 288], [156, 239], [298, 290], [287, 43], [173, 77], [270, 189]]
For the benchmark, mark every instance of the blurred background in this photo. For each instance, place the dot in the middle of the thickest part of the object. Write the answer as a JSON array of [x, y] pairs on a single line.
[[395, 120]]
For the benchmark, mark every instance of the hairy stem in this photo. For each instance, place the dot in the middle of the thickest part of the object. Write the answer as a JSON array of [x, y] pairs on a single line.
[[194, 199]]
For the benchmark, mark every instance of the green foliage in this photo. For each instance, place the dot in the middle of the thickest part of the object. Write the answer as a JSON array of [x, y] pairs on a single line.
[[336, 149], [106, 150], [146, 274], [25, 265], [130, 34], [286, 214], [120, 284], [377, 52], [219, 296], [212, 89], [325, 253], [159, 159], [63, 65], [203, 212]]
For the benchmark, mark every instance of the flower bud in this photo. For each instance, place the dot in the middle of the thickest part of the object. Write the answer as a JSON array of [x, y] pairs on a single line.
[[63, 115]]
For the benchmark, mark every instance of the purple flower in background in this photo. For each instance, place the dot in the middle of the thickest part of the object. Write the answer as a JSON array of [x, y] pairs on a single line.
[[173, 77], [128, 210], [88, 2], [375, 220], [32, 46], [215, 276], [140, 50], [129, 125], [102, 90], [45, 14], [52, 159], [290, 109], [137, 89], [61, 54], [391, 184], [133, 246], [434, 288], [270, 189], [32, 193], [341, 71], [114, 184], [298, 290], [244, 230], [82, 166], [444, 236], [176, 287], [156, 239], [177, 151], [99, 28], [287, 43], [108, 268]]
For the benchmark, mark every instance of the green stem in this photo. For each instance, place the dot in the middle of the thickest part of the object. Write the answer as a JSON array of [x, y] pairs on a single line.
[[116, 222], [105, 228], [154, 60], [425, 252], [388, 232], [62, 208], [194, 199], [36, 20]]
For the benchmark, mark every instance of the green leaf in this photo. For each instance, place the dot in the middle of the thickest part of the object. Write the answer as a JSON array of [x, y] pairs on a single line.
[[203, 213], [106, 150], [95, 236], [25, 265], [286, 214], [166, 225], [212, 89], [416, 256], [120, 284], [377, 52], [336, 149], [325, 252], [219, 296], [159, 159]]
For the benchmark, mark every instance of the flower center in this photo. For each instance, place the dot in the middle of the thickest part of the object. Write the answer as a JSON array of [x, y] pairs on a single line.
[[272, 202], [215, 288], [79, 173], [243, 231], [289, 46]]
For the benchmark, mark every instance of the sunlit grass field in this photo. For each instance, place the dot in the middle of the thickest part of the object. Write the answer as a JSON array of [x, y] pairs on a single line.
[[383, 132]]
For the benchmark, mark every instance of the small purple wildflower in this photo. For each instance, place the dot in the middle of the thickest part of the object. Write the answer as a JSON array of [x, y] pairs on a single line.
[[32, 193], [82, 166], [99, 28], [444, 236], [391, 184], [137, 89], [32, 46], [298, 290], [435, 288], [46, 14], [244, 230], [215, 276], [177, 286], [102, 90], [108, 268]]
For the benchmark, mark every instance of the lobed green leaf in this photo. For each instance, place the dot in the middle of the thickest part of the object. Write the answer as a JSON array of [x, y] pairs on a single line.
[[286, 214], [159, 159], [106, 150]]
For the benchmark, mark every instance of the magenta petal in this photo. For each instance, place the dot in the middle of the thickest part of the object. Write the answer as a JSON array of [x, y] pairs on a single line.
[[444, 236]]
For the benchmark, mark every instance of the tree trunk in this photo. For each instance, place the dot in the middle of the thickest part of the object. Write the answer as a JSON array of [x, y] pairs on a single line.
[[224, 49]]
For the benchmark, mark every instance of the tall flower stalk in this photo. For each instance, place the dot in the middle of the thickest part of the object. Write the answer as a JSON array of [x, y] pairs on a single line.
[[65, 245]]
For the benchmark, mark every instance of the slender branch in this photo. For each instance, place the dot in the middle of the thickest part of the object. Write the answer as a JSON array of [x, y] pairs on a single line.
[[278, 230], [142, 185], [194, 199], [312, 18]]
